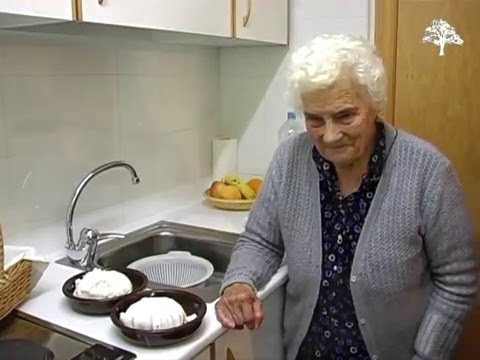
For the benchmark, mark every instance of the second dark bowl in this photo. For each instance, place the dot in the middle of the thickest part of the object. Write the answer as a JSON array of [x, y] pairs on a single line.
[[191, 303], [101, 306]]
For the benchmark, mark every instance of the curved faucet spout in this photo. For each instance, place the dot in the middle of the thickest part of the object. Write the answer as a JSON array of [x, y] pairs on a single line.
[[71, 244]]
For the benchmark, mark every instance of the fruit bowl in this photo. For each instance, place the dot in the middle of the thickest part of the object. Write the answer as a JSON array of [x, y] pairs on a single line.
[[233, 193], [224, 204]]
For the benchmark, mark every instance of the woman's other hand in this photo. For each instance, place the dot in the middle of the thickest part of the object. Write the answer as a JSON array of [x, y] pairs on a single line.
[[239, 306]]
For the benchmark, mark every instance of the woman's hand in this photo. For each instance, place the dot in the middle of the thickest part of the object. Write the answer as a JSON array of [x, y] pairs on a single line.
[[239, 306]]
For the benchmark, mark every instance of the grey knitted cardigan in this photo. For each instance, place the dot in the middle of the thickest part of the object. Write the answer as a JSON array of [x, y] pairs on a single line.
[[413, 277]]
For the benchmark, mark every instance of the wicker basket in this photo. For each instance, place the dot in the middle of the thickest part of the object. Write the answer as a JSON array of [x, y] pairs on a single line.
[[235, 205], [15, 283]]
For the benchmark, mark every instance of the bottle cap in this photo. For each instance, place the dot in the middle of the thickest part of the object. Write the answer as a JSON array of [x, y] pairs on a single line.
[[291, 115]]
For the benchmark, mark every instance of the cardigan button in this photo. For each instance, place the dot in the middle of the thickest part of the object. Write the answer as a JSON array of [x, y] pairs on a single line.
[[363, 321], [353, 279], [374, 357]]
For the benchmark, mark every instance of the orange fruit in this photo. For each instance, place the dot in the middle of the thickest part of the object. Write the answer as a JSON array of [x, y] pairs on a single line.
[[216, 189], [256, 185], [230, 192]]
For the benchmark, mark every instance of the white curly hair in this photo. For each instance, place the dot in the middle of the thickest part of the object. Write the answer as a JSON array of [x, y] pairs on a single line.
[[318, 64]]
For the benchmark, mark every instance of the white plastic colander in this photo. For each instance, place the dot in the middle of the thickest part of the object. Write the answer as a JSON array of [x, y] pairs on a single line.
[[176, 268]]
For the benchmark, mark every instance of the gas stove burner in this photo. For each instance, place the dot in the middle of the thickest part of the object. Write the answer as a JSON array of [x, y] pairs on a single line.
[[24, 349]]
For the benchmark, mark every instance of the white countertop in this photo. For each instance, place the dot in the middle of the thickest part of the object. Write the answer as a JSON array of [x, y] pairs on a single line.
[[46, 302]]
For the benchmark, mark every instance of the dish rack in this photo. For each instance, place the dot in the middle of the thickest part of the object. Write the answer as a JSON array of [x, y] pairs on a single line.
[[224, 204], [15, 282]]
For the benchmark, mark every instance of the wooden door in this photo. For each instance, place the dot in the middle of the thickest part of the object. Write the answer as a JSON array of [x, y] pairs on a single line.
[[206, 17], [262, 20], [436, 97]]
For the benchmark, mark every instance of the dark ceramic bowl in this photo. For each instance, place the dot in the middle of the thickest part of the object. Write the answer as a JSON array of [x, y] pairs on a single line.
[[101, 306], [192, 304]]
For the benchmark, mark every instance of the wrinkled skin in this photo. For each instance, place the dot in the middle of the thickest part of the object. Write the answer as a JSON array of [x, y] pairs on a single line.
[[340, 120], [239, 307]]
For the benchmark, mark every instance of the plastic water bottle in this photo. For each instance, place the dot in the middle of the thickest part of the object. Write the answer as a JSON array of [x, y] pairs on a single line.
[[289, 128]]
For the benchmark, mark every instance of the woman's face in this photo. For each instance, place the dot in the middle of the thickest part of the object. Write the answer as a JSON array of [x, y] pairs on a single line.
[[341, 122]]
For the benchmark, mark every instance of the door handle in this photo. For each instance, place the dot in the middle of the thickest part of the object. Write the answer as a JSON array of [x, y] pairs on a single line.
[[230, 354], [246, 18]]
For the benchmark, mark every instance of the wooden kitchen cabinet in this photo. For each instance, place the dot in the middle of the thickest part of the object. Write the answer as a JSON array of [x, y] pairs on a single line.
[[206, 17], [261, 20], [235, 345], [33, 12], [219, 23]]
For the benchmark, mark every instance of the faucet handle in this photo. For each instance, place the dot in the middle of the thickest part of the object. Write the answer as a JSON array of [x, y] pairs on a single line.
[[103, 236], [87, 235], [87, 244], [86, 247], [79, 252], [90, 238]]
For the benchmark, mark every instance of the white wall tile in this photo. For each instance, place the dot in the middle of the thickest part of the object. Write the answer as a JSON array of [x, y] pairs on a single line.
[[138, 104], [181, 60], [41, 103], [3, 130], [178, 159], [3, 139], [38, 188], [205, 135], [59, 128], [140, 151], [5, 202], [137, 62], [330, 9], [49, 60], [68, 110], [43, 179], [104, 190]]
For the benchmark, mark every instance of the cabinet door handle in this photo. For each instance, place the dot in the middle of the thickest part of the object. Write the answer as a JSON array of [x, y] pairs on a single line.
[[246, 18], [230, 355]]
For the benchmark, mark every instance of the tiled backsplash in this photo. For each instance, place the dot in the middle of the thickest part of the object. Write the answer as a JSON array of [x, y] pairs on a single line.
[[67, 109]]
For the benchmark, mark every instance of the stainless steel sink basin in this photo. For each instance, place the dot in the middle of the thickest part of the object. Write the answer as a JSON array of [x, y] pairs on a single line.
[[162, 237]]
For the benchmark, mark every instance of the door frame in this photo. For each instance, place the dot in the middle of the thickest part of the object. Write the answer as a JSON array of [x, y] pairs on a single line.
[[385, 38]]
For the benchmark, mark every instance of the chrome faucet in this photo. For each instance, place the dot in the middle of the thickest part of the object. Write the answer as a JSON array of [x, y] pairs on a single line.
[[82, 252]]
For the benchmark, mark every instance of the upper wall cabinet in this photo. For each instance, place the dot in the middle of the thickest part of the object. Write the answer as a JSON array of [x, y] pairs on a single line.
[[207, 17], [208, 22], [34, 12], [261, 20]]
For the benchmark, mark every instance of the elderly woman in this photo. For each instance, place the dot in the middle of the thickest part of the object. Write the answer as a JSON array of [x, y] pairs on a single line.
[[370, 220]]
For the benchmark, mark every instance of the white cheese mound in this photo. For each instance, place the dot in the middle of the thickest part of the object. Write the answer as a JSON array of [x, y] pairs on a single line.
[[154, 313], [102, 284]]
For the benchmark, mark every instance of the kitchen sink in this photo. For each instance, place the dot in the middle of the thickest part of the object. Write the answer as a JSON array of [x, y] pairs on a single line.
[[162, 237]]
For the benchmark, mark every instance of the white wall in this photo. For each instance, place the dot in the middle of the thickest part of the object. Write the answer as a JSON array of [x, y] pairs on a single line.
[[67, 109], [253, 81]]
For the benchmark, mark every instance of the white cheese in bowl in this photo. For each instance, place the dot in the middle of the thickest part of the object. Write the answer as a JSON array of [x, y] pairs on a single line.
[[102, 284], [154, 313]]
